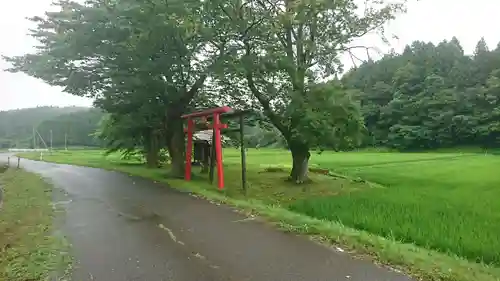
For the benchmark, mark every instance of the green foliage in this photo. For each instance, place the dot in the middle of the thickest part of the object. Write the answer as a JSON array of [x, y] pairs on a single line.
[[119, 133], [284, 53], [145, 61], [331, 114], [131, 136], [431, 96], [73, 129], [16, 126]]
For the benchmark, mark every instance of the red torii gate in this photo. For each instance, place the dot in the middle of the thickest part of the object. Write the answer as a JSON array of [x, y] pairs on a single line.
[[216, 126]]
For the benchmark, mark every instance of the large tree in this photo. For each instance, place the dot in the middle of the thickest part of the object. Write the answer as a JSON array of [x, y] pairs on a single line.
[[286, 48], [130, 54]]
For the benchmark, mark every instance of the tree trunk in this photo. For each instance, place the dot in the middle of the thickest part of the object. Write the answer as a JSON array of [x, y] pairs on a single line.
[[300, 168], [176, 147], [152, 158], [152, 151]]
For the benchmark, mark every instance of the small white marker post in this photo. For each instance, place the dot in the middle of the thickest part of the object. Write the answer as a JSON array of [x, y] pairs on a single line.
[[41, 155]]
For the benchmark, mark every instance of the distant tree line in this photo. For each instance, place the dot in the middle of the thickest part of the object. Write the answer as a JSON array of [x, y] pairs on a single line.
[[72, 126], [73, 129], [431, 96]]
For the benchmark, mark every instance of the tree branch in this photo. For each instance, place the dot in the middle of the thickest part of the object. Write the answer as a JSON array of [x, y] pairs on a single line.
[[265, 103], [367, 50]]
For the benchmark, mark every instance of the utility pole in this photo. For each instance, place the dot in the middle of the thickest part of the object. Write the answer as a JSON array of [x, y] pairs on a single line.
[[66, 141], [43, 141], [34, 138]]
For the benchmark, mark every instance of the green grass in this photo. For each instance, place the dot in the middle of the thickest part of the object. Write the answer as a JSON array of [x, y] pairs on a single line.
[[268, 187], [29, 248], [444, 203], [450, 205]]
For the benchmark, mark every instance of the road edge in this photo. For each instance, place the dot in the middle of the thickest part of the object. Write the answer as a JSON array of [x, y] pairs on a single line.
[[417, 262], [50, 257]]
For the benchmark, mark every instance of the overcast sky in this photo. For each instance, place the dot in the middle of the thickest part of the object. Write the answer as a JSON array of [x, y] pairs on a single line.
[[427, 20]]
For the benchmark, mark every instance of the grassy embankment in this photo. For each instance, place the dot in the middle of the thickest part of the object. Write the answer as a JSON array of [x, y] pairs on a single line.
[[29, 247], [433, 213]]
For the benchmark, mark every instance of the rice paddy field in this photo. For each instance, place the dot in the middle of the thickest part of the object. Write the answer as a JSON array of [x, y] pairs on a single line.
[[448, 202]]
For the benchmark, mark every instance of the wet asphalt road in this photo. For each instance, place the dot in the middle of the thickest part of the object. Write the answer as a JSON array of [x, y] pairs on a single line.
[[124, 228]]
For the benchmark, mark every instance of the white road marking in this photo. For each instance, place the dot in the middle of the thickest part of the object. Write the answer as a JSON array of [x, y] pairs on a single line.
[[171, 234]]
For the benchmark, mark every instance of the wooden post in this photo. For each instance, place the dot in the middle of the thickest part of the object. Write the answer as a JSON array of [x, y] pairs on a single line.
[[189, 148], [243, 157], [212, 158]]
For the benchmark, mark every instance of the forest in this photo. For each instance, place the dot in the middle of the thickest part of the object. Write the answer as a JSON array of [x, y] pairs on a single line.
[[70, 126], [431, 96]]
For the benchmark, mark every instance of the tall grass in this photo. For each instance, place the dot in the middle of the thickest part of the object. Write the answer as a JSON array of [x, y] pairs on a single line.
[[450, 205]]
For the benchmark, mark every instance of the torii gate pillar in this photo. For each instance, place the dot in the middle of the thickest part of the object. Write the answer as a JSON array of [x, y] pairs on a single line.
[[217, 126]]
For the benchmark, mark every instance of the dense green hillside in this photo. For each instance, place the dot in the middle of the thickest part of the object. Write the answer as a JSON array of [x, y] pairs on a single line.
[[75, 128], [73, 123], [431, 96]]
